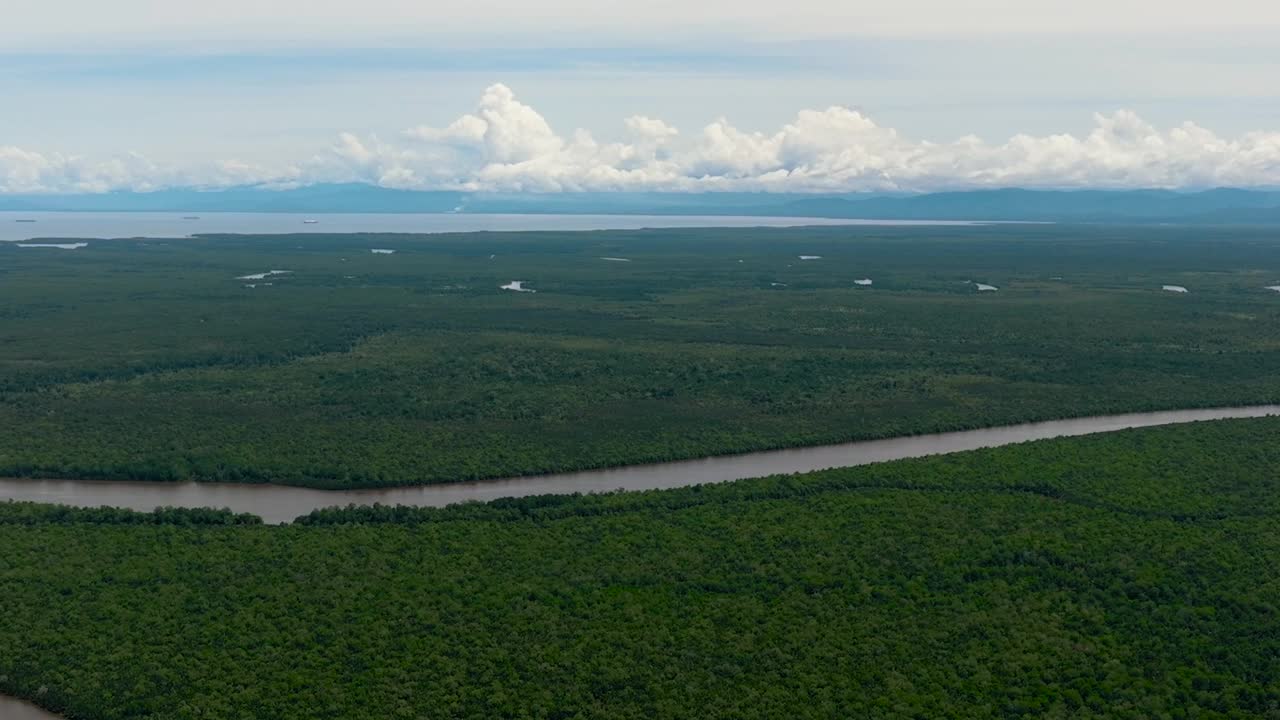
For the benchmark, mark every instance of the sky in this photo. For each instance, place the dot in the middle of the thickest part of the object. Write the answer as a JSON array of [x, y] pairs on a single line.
[[564, 95]]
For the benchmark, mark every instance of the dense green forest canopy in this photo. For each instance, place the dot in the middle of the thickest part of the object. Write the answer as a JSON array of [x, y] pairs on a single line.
[[149, 359], [1127, 575]]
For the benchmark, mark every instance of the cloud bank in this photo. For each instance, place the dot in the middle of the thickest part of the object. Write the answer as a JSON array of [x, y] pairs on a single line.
[[26, 172], [506, 145]]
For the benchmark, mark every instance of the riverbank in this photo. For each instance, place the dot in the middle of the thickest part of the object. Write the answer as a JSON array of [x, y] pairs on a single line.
[[282, 504]]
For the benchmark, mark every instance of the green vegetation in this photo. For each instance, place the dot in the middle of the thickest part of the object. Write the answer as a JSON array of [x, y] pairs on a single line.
[[1129, 575], [366, 370], [25, 513]]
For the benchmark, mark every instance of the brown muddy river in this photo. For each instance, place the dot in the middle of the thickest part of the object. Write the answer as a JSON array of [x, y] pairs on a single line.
[[281, 504], [11, 709]]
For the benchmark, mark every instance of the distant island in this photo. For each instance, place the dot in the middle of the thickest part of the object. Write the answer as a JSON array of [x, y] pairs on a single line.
[[1216, 206]]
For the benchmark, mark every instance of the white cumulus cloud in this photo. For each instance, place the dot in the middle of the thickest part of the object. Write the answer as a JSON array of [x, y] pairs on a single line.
[[507, 145]]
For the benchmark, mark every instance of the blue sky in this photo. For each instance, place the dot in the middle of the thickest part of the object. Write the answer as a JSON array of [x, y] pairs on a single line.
[[134, 94]]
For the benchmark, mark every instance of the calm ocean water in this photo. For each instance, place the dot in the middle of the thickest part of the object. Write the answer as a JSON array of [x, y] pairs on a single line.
[[14, 225]]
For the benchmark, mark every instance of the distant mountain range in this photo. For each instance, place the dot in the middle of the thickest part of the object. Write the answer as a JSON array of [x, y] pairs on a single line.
[[1232, 206]]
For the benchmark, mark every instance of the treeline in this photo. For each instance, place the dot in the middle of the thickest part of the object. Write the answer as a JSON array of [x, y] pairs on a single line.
[[27, 513], [1212, 455]]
